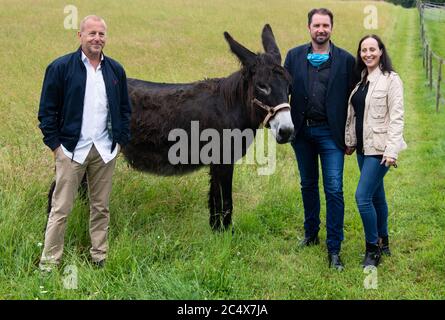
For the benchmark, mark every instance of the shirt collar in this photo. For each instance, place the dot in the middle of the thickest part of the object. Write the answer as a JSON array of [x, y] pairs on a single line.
[[85, 58], [309, 48], [374, 75]]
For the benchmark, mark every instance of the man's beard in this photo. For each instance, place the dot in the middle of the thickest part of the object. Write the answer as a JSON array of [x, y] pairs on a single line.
[[94, 52], [321, 41]]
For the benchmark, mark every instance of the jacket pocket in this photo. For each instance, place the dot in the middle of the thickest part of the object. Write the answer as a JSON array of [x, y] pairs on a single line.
[[379, 138], [378, 112], [379, 95], [378, 105]]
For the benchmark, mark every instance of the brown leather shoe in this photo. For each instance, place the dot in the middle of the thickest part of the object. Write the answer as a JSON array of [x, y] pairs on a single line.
[[99, 264]]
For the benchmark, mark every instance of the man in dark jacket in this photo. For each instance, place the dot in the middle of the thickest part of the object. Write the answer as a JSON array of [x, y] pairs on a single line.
[[322, 80], [84, 116]]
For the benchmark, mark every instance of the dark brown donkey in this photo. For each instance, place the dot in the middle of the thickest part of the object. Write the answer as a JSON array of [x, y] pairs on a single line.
[[239, 101], [161, 113]]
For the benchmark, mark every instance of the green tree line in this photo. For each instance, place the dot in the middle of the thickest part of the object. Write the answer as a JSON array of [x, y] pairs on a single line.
[[411, 3]]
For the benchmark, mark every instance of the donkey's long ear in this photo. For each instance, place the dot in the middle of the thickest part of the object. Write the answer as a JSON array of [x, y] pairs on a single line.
[[269, 44], [246, 56]]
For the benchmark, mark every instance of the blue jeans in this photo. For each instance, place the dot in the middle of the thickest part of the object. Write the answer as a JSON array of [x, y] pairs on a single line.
[[309, 145], [370, 197]]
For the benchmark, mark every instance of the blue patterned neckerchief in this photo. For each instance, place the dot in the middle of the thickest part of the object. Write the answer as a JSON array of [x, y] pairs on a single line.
[[317, 59]]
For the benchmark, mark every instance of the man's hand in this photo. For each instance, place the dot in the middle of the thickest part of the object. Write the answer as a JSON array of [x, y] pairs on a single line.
[[55, 152], [349, 150]]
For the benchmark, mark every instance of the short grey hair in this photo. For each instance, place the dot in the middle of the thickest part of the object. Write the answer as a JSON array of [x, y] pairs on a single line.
[[91, 17]]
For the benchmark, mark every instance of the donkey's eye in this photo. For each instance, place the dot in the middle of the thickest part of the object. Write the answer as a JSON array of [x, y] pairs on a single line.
[[264, 89]]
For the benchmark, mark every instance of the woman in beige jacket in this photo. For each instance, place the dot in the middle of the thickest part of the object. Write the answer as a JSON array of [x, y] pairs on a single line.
[[374, 127]]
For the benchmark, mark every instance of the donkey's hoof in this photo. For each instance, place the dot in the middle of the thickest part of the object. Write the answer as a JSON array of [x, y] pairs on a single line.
[[229, 228], [216, 227]]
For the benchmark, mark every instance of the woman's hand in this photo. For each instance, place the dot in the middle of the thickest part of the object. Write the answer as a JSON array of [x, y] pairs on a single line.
[[388, 161], [349, 150]]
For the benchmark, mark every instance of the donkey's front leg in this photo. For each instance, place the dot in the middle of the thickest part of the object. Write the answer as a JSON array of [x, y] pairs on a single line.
[[220, 197], [215, 199], [226, 185]]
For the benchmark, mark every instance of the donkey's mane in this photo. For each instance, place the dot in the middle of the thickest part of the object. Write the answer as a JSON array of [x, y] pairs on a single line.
[[232, 88]]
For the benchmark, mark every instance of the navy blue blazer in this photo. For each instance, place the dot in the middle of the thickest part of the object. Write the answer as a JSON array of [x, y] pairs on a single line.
[[61, 101], [340, 85]]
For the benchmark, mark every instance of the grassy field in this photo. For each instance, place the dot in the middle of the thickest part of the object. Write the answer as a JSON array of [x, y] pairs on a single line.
[[161, 246]]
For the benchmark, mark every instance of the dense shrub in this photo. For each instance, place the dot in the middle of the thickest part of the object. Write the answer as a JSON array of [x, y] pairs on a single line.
[[412, 3]]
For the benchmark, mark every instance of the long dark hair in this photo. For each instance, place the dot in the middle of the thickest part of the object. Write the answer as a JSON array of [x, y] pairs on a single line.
[[385, 60]]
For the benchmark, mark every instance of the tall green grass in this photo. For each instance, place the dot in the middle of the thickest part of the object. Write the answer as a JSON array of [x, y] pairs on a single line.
[[161, 246]]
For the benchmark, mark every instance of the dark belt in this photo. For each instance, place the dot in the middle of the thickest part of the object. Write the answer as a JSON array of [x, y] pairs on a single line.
[[315, 123]]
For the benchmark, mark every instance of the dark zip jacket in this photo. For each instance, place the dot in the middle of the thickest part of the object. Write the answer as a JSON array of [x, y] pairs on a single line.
[[63, 93], [340, 84]]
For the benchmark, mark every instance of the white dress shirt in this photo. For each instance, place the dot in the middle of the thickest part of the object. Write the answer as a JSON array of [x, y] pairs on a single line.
[[94, 119]]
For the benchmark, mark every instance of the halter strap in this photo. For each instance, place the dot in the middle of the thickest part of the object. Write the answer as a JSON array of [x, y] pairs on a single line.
[[271, 111]]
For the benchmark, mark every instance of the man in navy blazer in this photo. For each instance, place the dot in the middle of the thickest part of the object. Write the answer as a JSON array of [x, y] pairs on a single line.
[[322, 78]]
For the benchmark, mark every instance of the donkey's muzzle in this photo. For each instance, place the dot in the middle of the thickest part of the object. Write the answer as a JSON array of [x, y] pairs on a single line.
[[285, 134]]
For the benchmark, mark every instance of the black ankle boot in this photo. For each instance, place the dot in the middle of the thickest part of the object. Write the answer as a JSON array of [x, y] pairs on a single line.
[[384, 246], [372, 255]]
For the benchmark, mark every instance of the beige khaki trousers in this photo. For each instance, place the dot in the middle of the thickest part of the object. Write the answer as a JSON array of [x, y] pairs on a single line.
[[69, 175]]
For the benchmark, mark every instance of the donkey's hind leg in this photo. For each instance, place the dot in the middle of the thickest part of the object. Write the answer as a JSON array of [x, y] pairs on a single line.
[[83, 192], [50, 196], [83, 188]]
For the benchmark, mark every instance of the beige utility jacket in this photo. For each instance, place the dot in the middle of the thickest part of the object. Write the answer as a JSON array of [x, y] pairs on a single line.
[[383, 117]]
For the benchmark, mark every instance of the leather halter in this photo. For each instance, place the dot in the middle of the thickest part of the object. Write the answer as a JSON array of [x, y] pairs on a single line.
[[271, 111]]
